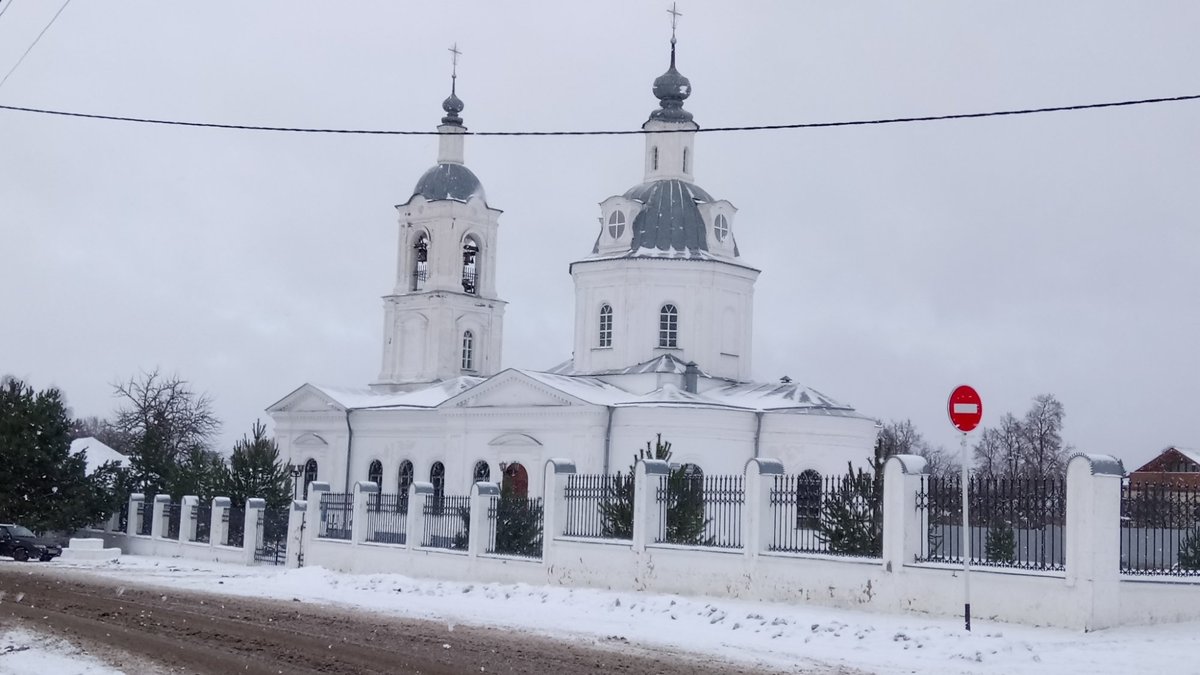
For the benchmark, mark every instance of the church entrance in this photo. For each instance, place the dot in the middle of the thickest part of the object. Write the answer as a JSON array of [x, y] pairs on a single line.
[[516, 480]]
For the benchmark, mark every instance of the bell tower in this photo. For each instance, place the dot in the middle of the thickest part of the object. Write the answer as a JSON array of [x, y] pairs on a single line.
[[443, 318]]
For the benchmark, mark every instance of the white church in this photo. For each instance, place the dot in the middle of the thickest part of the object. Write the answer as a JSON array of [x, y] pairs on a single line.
[[664, 309]]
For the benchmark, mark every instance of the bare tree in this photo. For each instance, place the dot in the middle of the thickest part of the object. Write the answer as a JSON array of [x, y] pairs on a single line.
[[902, 438], [1044, 454], [164, 424]]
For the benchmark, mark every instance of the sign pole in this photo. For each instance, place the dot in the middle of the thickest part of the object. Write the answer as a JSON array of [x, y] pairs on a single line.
[[966, 535]]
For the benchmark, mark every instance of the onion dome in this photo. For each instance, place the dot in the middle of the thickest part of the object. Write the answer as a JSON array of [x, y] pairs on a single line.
[[672, 89], [453, 105]]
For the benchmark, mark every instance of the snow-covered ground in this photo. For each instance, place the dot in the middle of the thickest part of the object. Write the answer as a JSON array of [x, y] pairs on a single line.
[[772, 634], [24, 652]]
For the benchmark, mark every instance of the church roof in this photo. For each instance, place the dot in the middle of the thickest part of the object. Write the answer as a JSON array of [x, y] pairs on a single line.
[[97, 453], [667, 363], [449, 181], [426, 396], [669, 220]]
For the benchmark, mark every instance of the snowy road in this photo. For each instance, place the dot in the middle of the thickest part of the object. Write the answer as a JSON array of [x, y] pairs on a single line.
[[772, 636]]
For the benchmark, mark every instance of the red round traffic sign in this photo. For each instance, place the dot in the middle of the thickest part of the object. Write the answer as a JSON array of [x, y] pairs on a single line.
[[965, 408]]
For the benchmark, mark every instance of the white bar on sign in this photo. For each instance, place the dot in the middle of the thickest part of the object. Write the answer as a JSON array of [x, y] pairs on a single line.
[[966, 408]]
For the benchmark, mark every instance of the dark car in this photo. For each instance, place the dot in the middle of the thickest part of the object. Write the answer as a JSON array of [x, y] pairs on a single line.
[[19, 543]]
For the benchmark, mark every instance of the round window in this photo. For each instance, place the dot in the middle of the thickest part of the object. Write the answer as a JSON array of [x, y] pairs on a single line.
[[616, 224], [721, 227]]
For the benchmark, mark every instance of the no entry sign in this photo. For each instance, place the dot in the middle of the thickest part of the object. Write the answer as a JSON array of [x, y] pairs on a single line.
[[965, 408]]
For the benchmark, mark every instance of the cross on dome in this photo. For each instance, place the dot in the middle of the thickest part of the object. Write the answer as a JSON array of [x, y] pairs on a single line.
[[453, 105]]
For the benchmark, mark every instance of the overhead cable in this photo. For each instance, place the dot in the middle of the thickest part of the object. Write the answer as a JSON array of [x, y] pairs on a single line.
[[35, 40], [620, 132]]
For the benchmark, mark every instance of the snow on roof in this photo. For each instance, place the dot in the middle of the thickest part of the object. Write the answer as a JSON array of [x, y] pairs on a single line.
[[429, 396], [97, 453], [667, 363], [1190, 453]]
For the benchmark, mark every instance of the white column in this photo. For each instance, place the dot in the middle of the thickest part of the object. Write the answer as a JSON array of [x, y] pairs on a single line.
[[1093, 538], [414, 528], [554, 502], [295, 533], [363, 490], [252, 527], [187, 518], [132, 520], [757, 516], [905, 534], [483, 533], [160, 506], [647, 517], [218, 530]]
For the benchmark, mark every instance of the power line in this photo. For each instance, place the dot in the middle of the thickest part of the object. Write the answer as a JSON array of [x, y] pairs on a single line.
[[5, 8], [622, 132], [35, 40]]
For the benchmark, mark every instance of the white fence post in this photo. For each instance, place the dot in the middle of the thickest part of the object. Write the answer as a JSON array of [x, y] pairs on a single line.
[[905, 537], [647, 517], [482, 535], [218, 528], [554, 501], [133, 521], [295, 532], [1093, 538], [363, 490], [316, 489], [757, 515], [414, 527], [252, 528], [160, 510], [187, 517]]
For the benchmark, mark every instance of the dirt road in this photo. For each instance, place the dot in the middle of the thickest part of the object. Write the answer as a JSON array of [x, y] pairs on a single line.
[[213, 634]]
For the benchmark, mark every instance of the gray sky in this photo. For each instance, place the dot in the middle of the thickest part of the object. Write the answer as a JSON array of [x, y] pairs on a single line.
[[1050, 253]]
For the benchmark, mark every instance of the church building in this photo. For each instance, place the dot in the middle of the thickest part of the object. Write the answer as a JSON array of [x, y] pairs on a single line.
[[664, 306]]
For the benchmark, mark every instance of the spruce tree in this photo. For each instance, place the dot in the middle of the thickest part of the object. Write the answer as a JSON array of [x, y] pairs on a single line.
[[518, 524], [1000, 546], [255, 470], [848, 516], [685, 500], [1189, 551]]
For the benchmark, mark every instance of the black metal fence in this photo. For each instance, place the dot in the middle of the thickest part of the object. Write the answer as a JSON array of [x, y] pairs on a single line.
[[172, 512], [145, 514], [835, 515], [599, 506], [337, 515], [235, 526], [1014, 523], [447, 521], [203, 515], [1160, 529], [515, 526], [271, 545], [387, 519], [123, 517], [700, 510]]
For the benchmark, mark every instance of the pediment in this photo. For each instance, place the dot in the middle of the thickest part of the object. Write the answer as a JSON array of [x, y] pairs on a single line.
[[515, 440], [512, 389], [309, 440], [305, 399]]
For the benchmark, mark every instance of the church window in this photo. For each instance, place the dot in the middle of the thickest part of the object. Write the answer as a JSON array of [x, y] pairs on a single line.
[[310, 473], [375, 472], [616, 224], [654, 158], [437, 477], [685, 160], [470, 273], [721, 227], [420, 262], [668, 327], [483, 472], [606, 320], [468, 351], [808, 500], [404, 481]]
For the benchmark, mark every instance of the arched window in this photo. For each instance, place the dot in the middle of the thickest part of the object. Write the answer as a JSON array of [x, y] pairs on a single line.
[[404, 482], [437, 476], [606, 323], [470, 271], [420, 262], [721, 227], [808, 500], [668, 326], [654, 158], [616, 224], [468, 351], [685, 160], [482, 473], [310, 474], [375, 472]]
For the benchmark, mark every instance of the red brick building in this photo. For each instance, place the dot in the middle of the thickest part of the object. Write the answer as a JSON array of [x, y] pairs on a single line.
[[1174, 467]]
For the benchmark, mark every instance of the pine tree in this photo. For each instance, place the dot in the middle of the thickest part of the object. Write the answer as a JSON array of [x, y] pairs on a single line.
[[1189, 551], [1001, 543], [255, 470], [45, 487], [518, 524], [848, 516], [685, 505]]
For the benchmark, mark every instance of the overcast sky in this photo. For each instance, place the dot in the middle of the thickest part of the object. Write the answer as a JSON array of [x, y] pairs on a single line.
[[1023, 255]]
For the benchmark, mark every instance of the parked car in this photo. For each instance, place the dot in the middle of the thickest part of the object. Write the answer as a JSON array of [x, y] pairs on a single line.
[[20, 544]]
